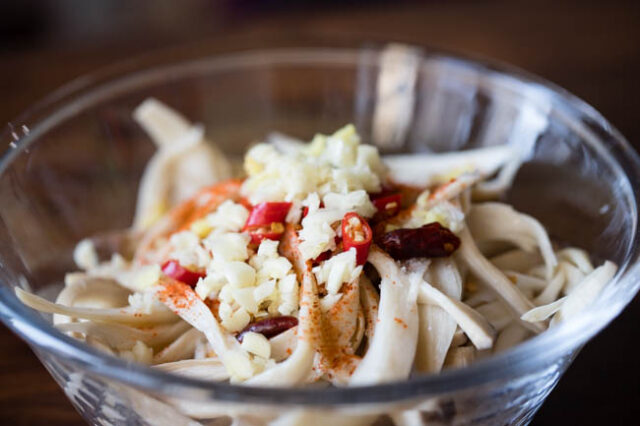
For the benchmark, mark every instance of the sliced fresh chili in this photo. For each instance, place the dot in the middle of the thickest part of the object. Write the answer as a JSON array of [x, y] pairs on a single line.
[[178, 272], [266, 221], [388, 205], [267, 213], [356, 233], [268, 232]]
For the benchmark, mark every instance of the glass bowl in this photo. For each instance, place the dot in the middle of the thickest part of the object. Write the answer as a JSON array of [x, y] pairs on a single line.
[[72, 165]]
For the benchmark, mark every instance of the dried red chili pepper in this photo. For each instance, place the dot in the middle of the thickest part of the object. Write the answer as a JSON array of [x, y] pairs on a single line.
[[430, 240], [356, 233], [269, 327], [178, 272]]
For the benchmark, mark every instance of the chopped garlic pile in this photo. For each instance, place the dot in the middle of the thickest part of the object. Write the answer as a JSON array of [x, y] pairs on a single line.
[[340, 269], [264, 286], [331, 177], [248, 285], [337, 163]]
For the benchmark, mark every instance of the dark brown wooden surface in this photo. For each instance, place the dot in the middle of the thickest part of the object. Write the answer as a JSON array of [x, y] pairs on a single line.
[[590, 48]]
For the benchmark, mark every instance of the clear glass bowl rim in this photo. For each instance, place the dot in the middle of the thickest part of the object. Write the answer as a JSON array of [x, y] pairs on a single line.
[[90, 89]]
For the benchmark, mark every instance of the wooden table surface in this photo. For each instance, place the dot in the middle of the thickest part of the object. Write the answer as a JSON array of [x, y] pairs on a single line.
[[590, 48]]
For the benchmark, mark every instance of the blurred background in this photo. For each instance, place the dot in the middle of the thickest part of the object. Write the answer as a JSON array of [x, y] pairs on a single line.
[[591, 48]]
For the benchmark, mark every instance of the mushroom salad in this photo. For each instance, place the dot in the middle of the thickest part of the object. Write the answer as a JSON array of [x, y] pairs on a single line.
[[323, 262]]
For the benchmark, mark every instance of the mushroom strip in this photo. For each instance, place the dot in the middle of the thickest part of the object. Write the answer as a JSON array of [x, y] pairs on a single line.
[[543, 312], [494, 278], [390, 355], [90, 292], [451, 189], [510, 336], [471, 322], [153, 200], [184, 162], [516, 260], [586, 292], [500, 222], [283, 345], [181, 298], [340, 328], [424, 170], [205, 369], [181, 348], [437, 327], [460, 357], [126, 315], [370, 305], [121, 337]]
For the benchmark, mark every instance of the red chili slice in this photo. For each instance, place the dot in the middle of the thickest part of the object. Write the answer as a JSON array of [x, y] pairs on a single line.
[[269, 232], [266, 221], [269, 327], [356, 233], [178, 272], [267, 213], [388, 205], [430, 240]]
